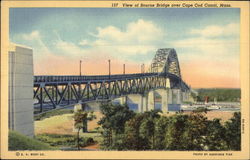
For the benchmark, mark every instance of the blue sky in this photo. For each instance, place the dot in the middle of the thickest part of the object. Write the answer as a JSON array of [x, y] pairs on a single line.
[[131, 35]]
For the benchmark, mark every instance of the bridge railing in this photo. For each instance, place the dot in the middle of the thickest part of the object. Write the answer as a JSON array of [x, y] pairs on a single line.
[[38, 79], [85, 79]]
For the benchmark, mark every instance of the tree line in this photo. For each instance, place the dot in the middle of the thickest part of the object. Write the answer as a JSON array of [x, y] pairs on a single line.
[[220, 94], [124, 129]]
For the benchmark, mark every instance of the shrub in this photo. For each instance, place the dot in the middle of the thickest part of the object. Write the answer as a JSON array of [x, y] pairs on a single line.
[[233, 132], [64, 140], [200, 109], [18, 141]]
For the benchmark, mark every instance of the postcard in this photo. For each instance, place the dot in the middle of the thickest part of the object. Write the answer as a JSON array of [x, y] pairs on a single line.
[[125, 79]]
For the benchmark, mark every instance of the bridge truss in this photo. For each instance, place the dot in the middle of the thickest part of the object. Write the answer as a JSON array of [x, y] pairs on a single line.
[[65, 90]]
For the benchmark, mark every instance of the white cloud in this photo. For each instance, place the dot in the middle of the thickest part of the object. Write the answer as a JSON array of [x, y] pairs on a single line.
[[34, 40], [206, 44], [67, 48], [140, 31], [134, 40], [84, 42], [212, 41], [140, 37], [34, 35], [205, 49], [217, 53], [217, 31]]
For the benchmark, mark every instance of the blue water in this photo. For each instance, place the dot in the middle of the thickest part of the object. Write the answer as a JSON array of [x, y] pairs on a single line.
[[235, 109], [158, 106], [171, 107], [133, 107], [174, 107]]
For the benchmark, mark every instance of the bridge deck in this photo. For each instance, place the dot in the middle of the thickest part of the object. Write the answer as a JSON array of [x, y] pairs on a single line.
[[73, 79], [82, 79]]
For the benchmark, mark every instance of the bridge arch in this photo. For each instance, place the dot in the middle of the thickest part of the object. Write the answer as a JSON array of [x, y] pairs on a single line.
[[166, 61]]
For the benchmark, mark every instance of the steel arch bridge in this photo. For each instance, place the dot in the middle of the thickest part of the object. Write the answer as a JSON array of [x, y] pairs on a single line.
[[65, 90]]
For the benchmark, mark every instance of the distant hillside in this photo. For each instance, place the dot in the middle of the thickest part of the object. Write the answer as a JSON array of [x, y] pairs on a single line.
[[220, 94]]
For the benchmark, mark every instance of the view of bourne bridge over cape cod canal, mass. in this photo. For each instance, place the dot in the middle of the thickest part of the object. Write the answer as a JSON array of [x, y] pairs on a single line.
[[78, 80]]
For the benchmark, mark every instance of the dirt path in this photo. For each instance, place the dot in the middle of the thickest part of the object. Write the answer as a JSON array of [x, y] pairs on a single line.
[[93, 146]]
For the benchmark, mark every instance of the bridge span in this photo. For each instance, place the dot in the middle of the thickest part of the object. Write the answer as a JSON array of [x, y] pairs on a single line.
[[57, 91]]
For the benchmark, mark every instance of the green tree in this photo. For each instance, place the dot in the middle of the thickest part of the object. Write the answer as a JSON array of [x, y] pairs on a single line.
[[161, 126], [147, 127], [80, 119], [132, 134], [119, 142], [233, 132], [225, 94], [176, 127], [152, 114], [215, 136], [194, 132], [147, 131], [113, 123]]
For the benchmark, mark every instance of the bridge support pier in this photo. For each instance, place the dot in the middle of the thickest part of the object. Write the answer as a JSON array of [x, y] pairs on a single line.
[[170, 96], [92, 106], [144, 100], [151, 101], [164, 99], [175, 96], [136, 102], [185, 96], [123, 100]]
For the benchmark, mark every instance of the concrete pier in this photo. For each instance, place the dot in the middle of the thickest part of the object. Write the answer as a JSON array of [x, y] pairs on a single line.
[[164, 99], [121, 100], [185, 96], [144, 102], [170, 96], [136, 101], [177, 96], [151, 101], [92, 106], [21, 118]]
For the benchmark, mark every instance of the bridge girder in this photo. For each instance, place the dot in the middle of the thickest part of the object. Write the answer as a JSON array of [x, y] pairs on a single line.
[[66, 90], [74, 92]]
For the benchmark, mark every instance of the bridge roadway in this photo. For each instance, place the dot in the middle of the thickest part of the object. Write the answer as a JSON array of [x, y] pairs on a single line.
[[97, 78], [65, 90], [48, 80]]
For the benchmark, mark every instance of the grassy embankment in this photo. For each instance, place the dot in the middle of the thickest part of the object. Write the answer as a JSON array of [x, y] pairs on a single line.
[[18, 141], [58, 130]]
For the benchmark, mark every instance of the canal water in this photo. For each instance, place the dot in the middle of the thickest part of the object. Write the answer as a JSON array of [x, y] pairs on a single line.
[[176, 107]]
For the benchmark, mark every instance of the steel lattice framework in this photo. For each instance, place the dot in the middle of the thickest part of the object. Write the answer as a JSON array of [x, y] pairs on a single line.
[[65, 90], [166, 61]]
